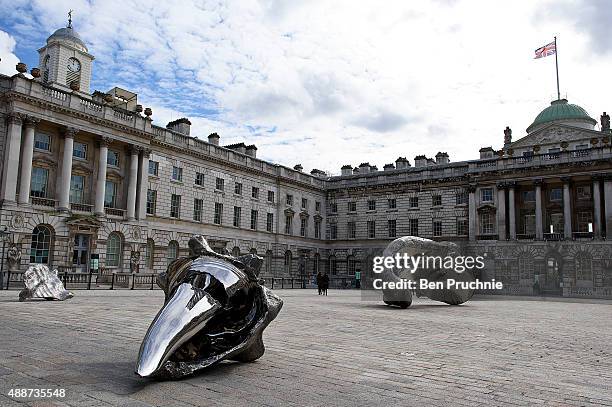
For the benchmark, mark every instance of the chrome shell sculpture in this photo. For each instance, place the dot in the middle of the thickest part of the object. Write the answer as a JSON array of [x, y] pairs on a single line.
[[215, 309], [40, 282], [417, 246]]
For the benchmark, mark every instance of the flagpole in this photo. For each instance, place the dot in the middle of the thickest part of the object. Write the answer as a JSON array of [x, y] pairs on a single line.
[[557, 69]]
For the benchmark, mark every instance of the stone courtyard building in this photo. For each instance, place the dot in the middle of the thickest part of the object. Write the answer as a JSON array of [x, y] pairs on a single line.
[[87, 174]]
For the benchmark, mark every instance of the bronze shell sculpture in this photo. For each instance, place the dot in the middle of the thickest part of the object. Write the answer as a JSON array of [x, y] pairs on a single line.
[[215, 309]]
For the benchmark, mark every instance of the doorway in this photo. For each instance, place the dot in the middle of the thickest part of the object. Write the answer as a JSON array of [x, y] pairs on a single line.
[[80, 255]]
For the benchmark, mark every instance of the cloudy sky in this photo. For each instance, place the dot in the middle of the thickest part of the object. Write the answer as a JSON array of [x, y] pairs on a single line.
[[327, 83]]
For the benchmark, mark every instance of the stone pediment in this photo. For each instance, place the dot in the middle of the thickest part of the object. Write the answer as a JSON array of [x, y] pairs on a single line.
[[83, 223], [554, 134]]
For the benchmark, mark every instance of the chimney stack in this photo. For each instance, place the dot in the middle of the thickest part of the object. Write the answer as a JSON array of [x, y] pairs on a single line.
[[251, 151], [420, 161], [402, 163], [346, 169], [364, 168], [486, 152], [388, 167], [298, 167], [182, 125], [213, 138], [442, 158]]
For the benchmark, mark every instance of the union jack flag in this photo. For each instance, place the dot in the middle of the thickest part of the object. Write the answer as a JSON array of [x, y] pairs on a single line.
[[546, 50]]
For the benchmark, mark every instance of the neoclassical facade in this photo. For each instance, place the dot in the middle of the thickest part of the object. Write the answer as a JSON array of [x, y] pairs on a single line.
[[87, 175]]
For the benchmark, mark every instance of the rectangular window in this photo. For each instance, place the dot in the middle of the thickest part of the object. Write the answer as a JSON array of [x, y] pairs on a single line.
[[77, 188], [583, 192], [253, 219], [414, 227], [333, 207], [371, 205], [219, 184], [175, 206], [317, 228], [529, 196], [303, 227], [151, 201], [38, 185], [255, 193], [352, 206], [461, 198], [289, 200], [351, 230], [237, 216], [79, 150], [555, 223], [487, 223], [392, 203], [556, 194], [582, 147], [437, 228], [333, 231], [177, 174], [153, 168], [271, 196], [436, 200], [462, 227], [317, 206], [529, 224], [112, 158], [486, 195], [413, 201], [199, 179], [42, 142], [392, 227], [218, 219], [371, 229], [304, 203], [110, 195], [270, 222], [237, 188], [198, 209], [585, 222], [288, 224]]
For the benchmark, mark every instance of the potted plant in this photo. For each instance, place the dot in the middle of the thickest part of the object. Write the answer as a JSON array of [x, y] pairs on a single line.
[[148, 112]]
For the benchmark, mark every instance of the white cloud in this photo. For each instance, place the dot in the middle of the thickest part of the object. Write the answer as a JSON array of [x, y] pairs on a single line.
[[331, 83], [8, 58]]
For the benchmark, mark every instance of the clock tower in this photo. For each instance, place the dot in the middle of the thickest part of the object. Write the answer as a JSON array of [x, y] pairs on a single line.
[[65, 61]]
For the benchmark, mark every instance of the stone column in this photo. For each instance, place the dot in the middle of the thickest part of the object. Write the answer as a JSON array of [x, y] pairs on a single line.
[[101, 178], [132, 183], [567, 208], [608, 201], [143, 185], [8, 189], [538, 210], [511, 211], [597, 226], [472, 212], [64, 185], [501, 211], [26, 159]]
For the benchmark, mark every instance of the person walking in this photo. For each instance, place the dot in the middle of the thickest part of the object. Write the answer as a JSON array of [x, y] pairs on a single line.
[[324, 283], [320, 282]]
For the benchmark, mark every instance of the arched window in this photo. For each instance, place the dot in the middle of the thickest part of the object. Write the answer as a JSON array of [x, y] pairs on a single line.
[[236, 251], [288, 261], [351, 265], [269, 262], [41, 245], [46, 69], [113, 250], [149, 253], [584, 266], [173, 251], [525, 266], [333, 265], [317, 259]]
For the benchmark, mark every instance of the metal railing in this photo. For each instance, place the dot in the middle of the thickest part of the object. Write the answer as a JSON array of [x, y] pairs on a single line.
[[81, 207], [40, 201], [114, 212]]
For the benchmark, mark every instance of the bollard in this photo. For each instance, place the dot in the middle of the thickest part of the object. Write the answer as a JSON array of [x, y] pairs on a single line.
[[282, 282], [273, 283], [152, 280], [8, 279], [112, 281], [292, 282], [89, 281], [133, 280]]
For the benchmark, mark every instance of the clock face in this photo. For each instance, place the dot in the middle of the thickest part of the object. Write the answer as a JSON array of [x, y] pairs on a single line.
[[74, 65]]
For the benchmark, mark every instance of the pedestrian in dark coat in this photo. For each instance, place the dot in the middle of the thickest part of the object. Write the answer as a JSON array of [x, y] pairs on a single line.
[[324, 284], [320, 282]]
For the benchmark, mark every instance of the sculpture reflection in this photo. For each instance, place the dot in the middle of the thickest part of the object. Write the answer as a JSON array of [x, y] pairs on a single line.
[[215, 309]]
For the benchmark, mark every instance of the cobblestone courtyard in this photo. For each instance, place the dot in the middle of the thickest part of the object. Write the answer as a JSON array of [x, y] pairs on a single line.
[[321, 351]]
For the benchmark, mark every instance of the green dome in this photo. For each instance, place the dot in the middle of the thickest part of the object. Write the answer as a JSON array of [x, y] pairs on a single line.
[[561, 110]]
